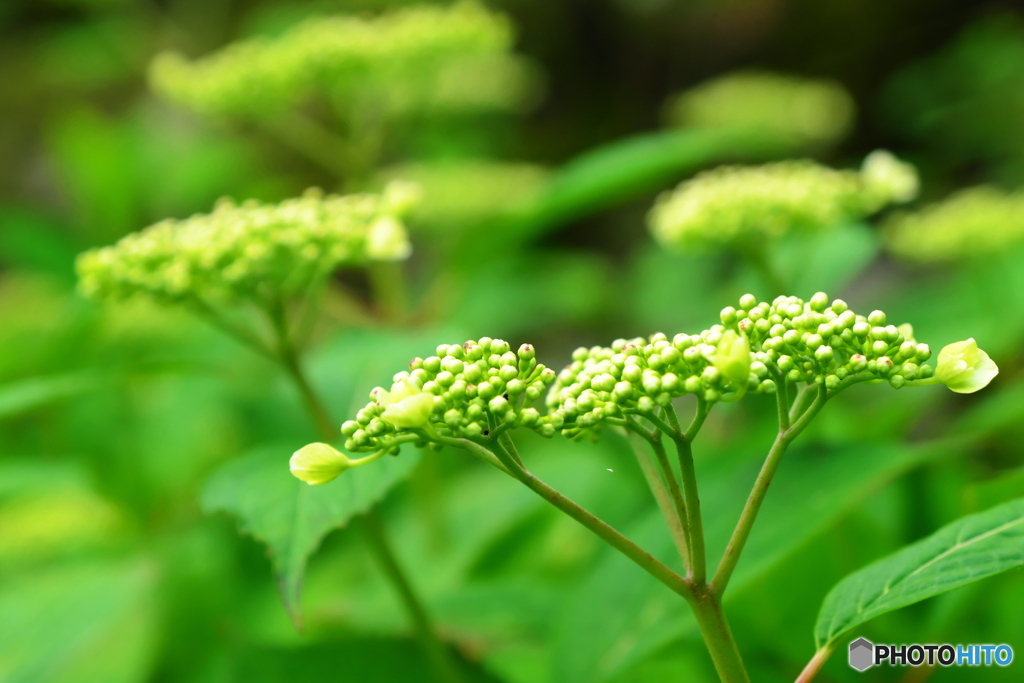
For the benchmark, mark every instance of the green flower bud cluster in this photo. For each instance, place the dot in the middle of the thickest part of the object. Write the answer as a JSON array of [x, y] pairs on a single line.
[[734, 205], [822, 340], [637, 376], [979, 221], [413, 59], [251, 250], [468, 193], [468, 390], [805, 110]]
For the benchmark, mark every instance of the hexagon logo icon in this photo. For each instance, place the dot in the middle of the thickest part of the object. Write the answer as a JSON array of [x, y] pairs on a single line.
[[862, 654]]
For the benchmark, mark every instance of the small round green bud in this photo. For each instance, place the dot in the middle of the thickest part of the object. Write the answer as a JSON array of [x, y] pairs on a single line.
[[349, 427], [819, 302], [452, 365], [432, 364], [767, 387], [879, 347], [910, 370], [508, 372], [728, 315], [527, 352], [839, 306], [623, 391], [861, 328], [897, 381], [645, 404], [877, 318], [651, 383], [486, 390], [824, 354], [748, 301]]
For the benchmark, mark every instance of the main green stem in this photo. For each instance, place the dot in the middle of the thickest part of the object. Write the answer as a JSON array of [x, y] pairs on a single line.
[[437, 653], [706, 607], [718, 637]]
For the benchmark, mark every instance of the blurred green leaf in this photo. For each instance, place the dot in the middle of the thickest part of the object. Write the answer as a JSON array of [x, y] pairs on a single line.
[[49, 510], [597, 641], [79, 624], [291, 517], [360, 658], [828, 261], [29, 238], [29, 394], [98, 159], [972, 548], [627, 169]]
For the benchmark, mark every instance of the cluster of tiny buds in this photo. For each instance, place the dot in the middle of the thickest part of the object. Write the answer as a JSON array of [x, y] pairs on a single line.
[[434, 55], [251, 250], [637, 376], [823, 340], [468, 390]]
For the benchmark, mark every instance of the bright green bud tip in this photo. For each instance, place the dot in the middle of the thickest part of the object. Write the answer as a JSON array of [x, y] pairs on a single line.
[[318, 463], [965, 368], [406, 406], [732, 356]]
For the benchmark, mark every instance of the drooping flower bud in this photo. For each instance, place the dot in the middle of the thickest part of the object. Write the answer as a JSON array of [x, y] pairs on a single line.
[[318, 463], [965, 368]]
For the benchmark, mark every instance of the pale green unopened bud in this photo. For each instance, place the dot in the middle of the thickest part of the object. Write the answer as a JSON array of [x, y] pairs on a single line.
[[732, 356], [406, 406], [965, 368], [318, 463]]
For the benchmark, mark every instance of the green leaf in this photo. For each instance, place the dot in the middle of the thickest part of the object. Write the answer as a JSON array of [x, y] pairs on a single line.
[[28, 394], [828, 261], [971, 548], [79, 624], [624, 170], [809, 494], [291, 517]]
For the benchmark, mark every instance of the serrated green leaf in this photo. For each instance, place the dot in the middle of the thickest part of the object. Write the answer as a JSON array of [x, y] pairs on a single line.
[[291, 517], [809, 494], [971, 548]]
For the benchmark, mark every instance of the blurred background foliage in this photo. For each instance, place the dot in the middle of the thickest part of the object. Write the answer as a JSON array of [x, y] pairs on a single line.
[[124, 430]]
